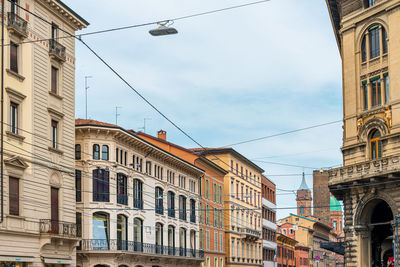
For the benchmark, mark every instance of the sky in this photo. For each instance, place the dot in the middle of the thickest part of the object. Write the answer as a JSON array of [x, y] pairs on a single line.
[[224, 78]]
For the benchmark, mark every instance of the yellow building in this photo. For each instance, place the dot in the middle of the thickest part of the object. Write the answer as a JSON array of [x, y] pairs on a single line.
[[39, 226], [242, 206], [368, 38]]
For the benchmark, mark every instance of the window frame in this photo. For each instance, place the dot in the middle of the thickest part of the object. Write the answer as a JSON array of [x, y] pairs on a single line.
[[105, 155], [54, 133], [14, 113]]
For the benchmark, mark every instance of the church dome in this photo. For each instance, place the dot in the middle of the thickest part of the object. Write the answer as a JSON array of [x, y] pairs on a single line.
[[335, 205]]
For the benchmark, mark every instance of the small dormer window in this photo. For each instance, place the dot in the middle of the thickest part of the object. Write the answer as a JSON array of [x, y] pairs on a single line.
[[369, 3]]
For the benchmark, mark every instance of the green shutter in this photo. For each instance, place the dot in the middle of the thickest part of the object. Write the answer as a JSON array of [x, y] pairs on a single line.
[[386, 74], [364, 82], [375, 78], [374, 27]]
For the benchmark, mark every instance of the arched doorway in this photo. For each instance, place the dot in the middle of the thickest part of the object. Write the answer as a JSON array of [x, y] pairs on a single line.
[[377, 216]]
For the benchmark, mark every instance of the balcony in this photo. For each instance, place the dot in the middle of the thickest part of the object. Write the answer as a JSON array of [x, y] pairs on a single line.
[[17, 25], [114, 245], [58, 228], [56, 51], [366, 171], [251, 234]]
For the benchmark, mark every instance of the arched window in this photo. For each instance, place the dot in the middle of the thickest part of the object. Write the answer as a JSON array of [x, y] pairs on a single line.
[[101, 185], [193, 241], [159, 238], [77, 151], [301, 210], [375, 144], [96, 152], [137, 234], [182, 207], [122, 232], [137, 194], [171, 204], [384, 41], [193, 211], [171, 240], [159, 200], [374, 42], [104, 152], [122, 189], [101, 235]]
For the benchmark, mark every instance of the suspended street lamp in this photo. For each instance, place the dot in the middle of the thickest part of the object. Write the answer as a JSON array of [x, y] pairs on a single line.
[[164, 29]]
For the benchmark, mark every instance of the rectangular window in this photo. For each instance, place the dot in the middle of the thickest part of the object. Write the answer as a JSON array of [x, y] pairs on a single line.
[[14, 118], [365, 94], [13, 196], [54, 29], [79, 224], [221, 242], [14, 57], [376, 92], [374, 42], [116, 154], [54, 79], [386, 88], [78, 185], [54, 125], [208, 240], [216, 241]]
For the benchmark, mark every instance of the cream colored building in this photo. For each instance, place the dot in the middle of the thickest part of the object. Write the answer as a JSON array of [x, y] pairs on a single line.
[[137, 204], [368, 36], [242, 204], [39, 85]]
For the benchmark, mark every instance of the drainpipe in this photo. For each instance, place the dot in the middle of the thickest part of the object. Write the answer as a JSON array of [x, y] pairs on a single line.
[[2, 114]]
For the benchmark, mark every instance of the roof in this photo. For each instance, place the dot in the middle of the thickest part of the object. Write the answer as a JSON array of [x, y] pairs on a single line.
[[303, 185], [205, 160], [335, 19], [73, 12], [335, 204], [83, 122], [222, 150]]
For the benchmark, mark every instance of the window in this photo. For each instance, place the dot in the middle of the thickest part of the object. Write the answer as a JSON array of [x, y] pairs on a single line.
[[221, 242], [14, 118], [79, 224], [137, 234], [78, 152], [101, 231], [122, 232], [13, 196], [207, 189], [78, 185], [171, 204], [54, 125], [104, 152], [171, 238], [101, 186], [192, 211], [116, 154], [376, 91], [365, 94], [384, 41], [375, 145], [335, 225], [159, 200], [159, 238], [386, 80], [54, 29], [125, 160], [182, 241], [369, 3], [374, 42], [96, 152], [14, 57], [215, 241], [208, 240], [364, 49], [301, 210], [137, 194], [182, 207], [13, 8], [148, 167], [122, 189], [54, 80]]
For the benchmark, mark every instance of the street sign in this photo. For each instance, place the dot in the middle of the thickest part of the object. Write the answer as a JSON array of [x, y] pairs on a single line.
[[317, 258]]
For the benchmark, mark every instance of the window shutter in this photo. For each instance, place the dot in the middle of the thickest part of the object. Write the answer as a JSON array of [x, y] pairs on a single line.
[[14, 196], [375, 78], [14, 57], [54, 74], [386, 74]]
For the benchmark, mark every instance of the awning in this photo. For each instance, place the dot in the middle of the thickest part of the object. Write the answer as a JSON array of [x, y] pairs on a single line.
[[58, 260], [16, 258]]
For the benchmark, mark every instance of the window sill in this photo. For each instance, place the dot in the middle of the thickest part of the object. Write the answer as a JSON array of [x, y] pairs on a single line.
[[55, 150], [16, 75], [55, 95], [19, 217], [15, 136]]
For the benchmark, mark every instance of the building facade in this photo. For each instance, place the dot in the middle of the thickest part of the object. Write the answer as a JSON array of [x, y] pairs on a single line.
[[285, 252], [39, 94], [368, 41], [304, 199], [269, 228], [242, 206], [136, 203], [210, 215]]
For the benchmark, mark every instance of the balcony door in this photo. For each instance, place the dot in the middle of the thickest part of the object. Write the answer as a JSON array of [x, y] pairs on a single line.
[[54, 210]]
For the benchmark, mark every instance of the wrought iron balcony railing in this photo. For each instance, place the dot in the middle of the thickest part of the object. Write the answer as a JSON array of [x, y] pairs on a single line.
[[160, 209], [57, 50], [252, 234], [17, 25], [182, 215], [138, 247], [122, 199], [58, 228], [192, 218], [171, 213]]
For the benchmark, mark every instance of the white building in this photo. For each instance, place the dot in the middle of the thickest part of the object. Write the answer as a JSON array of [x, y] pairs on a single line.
[[269, 222], [39, 115], [136, 203]]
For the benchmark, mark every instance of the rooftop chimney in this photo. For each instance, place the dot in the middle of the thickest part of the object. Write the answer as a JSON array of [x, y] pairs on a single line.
[[162, 134]]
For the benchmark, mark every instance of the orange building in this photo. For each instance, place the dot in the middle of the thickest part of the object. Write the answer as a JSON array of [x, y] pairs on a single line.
[[301, 255], [210, 215], [286, 251]]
